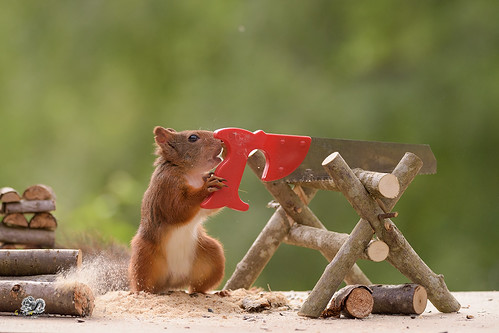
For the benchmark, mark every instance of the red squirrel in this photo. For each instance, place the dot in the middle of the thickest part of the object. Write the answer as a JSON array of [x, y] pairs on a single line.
[[171, 248]]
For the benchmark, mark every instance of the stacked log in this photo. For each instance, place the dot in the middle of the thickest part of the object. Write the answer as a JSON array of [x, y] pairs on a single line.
[[32, 273], [27, 221]]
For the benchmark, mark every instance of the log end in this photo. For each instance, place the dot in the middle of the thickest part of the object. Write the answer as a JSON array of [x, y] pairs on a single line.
[[420, 299], [330, 158], [359, 303], [39, 192], [377, 251], [389, 186], [43, 220], [15, 220], [84, 300]]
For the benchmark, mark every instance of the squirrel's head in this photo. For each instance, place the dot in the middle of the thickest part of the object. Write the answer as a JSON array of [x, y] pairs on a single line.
[[192, 150]]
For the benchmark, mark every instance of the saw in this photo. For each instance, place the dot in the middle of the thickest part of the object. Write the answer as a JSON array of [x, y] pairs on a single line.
[[298, 159]]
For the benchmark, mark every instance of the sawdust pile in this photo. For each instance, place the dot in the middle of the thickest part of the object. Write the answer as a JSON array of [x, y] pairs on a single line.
[[179, 304], [107, 278]]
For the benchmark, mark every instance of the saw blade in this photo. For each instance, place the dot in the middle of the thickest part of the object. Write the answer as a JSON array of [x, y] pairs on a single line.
[[367, 155]]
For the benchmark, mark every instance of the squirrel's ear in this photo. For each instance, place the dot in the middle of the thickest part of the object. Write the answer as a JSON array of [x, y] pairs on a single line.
[[163, 134]]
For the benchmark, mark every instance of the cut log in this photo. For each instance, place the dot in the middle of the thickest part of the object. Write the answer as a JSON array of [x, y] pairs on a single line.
[[43, 221], [25, 206], [399, 299], [8, 194], [75, 299], [354, 301], [39, 261], [330, 242], [39, 192], [379, 184], [377, 250], [40, 237], [15, 220]]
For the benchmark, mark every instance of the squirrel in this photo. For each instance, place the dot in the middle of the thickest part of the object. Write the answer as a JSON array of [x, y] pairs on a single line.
[[171, 248]]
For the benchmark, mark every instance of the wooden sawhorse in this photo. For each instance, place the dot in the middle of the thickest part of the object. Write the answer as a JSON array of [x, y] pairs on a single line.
[[294, 223]]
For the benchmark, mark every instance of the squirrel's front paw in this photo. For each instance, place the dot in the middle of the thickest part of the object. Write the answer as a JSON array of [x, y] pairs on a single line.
[[214, 183]]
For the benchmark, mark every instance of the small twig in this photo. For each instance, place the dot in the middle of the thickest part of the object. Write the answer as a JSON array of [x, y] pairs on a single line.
[[273, 204], [387, 215]]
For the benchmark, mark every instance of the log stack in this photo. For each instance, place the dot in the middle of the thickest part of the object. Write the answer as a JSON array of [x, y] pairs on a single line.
[[27, 221], [25, 273]]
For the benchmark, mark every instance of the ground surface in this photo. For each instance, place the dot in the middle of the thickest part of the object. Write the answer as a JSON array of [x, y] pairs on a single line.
[[179, 312]]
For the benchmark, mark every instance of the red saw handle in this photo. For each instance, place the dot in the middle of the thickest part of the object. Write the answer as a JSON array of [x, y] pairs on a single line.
[[283, 154]]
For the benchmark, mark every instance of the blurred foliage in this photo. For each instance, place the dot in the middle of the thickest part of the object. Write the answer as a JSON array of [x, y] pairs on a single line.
[[83, 83]]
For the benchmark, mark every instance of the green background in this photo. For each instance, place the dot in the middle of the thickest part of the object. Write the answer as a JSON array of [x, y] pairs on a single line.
[[83, 83]]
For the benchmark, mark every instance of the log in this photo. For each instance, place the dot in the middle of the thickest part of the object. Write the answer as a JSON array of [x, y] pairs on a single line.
[[354, 301], [359, 238], [74, 299], [38, 261], [379, 184], [399, 299], [37, 278], [402, 256], [43, 221], [39, 192], [330, 242], [15, 220], [8, 194], [25, 206], [40, 237]]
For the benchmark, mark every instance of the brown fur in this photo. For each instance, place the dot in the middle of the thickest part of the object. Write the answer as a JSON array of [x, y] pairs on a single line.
[[170, 202]]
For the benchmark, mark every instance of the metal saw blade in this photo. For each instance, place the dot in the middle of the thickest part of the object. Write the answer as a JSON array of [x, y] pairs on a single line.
[[367, 155]]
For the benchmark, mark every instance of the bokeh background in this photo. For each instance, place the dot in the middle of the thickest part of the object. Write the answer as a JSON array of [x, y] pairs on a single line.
[[83, 83]]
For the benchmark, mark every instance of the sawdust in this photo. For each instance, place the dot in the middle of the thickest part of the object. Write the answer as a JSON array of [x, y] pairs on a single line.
[[99, 273], [179, 304]]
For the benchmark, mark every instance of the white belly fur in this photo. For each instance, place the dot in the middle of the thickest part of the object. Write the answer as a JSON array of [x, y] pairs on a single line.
[[181, 250]]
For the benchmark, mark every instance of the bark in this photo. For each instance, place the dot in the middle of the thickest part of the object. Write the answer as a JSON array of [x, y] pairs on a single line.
[[35, 278], [75, 299], [399, 299], [39, 261], [39, 237], [383, 185], [33, 206], [43, 221], [330, 242], [39, 192]]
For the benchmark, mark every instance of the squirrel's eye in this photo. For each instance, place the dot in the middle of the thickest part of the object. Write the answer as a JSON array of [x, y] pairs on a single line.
[[193, 138]]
